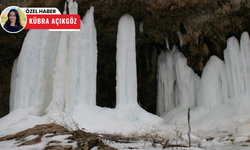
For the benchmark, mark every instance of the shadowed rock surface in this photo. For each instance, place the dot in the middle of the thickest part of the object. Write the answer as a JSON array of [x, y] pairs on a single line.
[[205, 26]]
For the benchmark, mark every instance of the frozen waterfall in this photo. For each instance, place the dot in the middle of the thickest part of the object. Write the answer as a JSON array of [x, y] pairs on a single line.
[[126, 77], [221, 92], [56, 67], [177, 83], [59, 68]]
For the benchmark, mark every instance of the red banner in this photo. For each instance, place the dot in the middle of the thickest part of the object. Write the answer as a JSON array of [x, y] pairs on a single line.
[[53, 22]]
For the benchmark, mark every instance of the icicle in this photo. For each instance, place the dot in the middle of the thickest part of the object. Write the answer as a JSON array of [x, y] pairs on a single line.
[[65, 8], [126, 89], [167, 44], [180, 37], [221, 92], [213, 86], [245, 60], [233, 67], [73, 7], [177, 83], [141, 27]]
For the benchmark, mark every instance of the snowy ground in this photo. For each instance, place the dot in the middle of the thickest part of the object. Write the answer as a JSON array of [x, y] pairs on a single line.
[[45, 141], [145, 137], [146, 141]]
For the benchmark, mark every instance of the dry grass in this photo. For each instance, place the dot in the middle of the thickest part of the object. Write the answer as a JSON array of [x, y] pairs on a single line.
[[65, 118], [147, 136]]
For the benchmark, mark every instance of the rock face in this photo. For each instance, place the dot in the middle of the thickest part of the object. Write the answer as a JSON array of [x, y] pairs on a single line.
[[204, 25]]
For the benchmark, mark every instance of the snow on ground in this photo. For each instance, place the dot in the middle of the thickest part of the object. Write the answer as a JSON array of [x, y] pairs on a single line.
[[13, 144], [213, 144]]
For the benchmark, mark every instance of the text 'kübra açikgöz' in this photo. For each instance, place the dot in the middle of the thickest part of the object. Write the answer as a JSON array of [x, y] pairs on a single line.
[[57, 21]]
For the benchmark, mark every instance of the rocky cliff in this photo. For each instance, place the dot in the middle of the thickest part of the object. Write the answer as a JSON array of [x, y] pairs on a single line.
[[204, 25]]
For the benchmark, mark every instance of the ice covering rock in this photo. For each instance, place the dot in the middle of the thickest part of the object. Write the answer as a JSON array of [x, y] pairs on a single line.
[[56, 67], [177, 83], [213, 93], [218, 98], [55, 76], [60, 68]]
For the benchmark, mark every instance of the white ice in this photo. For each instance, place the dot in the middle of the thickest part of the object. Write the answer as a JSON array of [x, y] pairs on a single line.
[[180, 37], [59, 68], [55, 73], [219, 100], [167, 44], [126, 76], [177, 83], [54, 67]]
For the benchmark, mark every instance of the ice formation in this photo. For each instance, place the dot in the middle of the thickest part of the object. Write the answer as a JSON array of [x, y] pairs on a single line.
[[167, 44], [180, 37], [60, 68], [219, 97], [177, 83], [126, 76], [56, 67]]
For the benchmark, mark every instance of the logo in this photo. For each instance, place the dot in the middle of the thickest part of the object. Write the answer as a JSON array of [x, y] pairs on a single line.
[[15, 19]]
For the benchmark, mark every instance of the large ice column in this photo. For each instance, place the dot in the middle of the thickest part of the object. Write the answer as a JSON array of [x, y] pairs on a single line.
[[87, 64], [73, 7], [234, 68], [56, 68], [221, 92], [167, 88], [245, 60], [78, 70], [29, 70], [177, 83], [126, 78], [237, 59], [188, 82], [213, 89], [220, 80]]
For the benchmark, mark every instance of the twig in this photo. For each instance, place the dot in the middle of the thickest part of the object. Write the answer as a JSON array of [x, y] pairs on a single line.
[[189, 128]]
